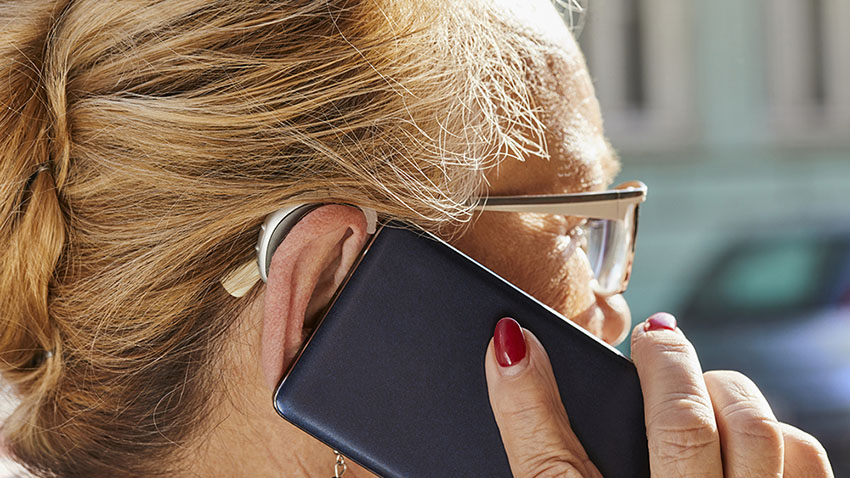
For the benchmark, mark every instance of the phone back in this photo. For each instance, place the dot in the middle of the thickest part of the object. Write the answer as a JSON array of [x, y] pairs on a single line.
[[393, 377]]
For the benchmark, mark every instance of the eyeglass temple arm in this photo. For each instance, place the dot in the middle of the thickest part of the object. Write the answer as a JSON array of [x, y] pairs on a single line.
[[614, 208]]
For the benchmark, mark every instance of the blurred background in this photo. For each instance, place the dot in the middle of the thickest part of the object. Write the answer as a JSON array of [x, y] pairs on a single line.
[[737, 116]]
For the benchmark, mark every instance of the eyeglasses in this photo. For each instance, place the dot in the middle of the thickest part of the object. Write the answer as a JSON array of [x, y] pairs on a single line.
[[607, 235]]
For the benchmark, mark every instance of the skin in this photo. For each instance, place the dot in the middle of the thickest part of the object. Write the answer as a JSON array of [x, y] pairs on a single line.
[[709, 425], [534, 251]]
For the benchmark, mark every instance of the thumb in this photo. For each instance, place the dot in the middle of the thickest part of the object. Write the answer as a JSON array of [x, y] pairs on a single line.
[[528, 409]]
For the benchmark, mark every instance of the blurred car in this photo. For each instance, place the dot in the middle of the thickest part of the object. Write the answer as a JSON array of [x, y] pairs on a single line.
[[777, 308]]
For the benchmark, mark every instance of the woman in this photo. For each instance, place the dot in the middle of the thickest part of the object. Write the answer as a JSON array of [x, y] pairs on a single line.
[[143, 143]]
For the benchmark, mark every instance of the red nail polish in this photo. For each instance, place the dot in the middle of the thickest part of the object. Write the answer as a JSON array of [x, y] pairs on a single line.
[[661, 320], [508, 342]]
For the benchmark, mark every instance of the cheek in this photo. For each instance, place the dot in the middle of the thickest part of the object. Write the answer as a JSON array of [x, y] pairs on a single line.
[[535, 256], [580, 297]]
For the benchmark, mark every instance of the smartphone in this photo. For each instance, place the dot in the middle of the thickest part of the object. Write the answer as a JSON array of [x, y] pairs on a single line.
[[393, 375]]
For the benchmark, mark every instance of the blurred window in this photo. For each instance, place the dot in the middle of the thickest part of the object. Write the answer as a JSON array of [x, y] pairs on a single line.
[[640, 55], [635, 90], [780, 276], [774, 279], [808, 69]]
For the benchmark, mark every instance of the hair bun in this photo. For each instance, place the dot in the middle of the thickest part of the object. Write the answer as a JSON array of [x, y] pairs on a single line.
[[32, 227]]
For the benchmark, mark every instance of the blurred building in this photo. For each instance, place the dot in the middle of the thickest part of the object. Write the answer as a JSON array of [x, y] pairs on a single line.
[[735, 113], [737, 116]]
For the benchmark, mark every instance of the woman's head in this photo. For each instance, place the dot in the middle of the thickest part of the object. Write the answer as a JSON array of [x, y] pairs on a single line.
[[142, 143]]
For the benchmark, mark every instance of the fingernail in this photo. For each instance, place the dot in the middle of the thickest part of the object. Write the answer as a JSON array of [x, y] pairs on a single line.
[[661, 320], [508, 342]]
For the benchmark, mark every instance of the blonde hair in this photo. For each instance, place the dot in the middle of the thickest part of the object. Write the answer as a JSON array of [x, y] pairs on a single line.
[[143, 142]]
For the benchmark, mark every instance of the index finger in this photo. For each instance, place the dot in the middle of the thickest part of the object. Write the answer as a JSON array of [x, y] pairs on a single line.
[[528, 409], [680, 424]]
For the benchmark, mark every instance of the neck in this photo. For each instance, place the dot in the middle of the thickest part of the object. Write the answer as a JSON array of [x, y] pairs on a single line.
[[247, 437]]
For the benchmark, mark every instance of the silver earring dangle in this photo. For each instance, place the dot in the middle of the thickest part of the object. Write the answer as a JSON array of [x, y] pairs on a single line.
[[339, 465]]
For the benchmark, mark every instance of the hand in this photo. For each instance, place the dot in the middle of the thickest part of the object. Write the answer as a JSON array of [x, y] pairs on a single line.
[[715, 425]]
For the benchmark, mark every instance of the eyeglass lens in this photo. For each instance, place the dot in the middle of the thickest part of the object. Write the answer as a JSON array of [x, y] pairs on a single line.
[[608, 246]]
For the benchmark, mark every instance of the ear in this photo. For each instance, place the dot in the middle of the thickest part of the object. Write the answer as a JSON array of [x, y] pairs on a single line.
[[305, 271]]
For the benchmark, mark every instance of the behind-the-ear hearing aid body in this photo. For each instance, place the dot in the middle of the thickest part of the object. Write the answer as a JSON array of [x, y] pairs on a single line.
[[272, 233]]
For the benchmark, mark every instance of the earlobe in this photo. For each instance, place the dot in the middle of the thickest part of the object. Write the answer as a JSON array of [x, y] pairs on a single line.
[[305, 272]]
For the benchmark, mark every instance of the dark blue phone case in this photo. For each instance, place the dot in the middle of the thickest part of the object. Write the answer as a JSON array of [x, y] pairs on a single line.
[[393, 376]]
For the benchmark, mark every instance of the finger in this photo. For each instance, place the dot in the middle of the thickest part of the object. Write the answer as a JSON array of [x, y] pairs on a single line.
[[528, 408], [750, 436], [680, 424], [805, 457]]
